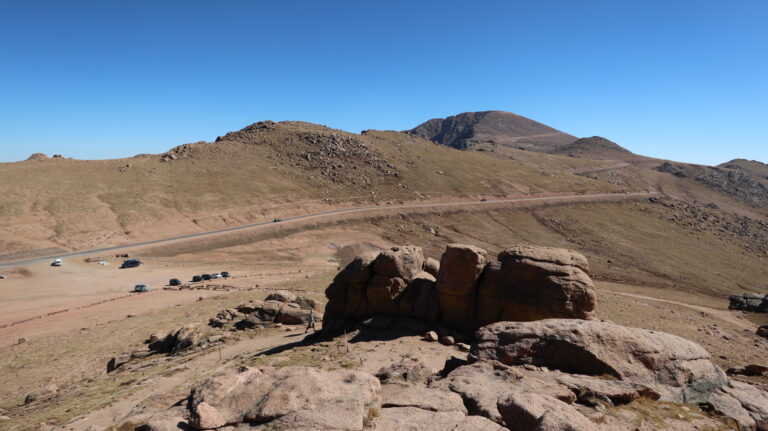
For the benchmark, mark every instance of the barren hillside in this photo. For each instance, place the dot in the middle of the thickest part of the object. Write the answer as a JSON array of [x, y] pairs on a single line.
[[264, 171]]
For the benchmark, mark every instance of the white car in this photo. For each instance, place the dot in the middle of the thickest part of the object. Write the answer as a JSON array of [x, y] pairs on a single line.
[[215, 276], [2, 277], [57, 262]]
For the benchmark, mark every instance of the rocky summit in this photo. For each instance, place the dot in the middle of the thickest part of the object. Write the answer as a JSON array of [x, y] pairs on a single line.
[[463, 130]]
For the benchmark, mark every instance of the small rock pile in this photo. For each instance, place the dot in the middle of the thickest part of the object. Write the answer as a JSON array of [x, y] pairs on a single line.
[[749, 302], [176, 341], [178, 153], [38, 157], [465, 290], [248, 133], [674, 169], [188, 338], [280, 307]]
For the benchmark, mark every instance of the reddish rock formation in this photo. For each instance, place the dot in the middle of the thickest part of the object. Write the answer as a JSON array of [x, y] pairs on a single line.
[[468, 291], [456, 288], [528, 280]]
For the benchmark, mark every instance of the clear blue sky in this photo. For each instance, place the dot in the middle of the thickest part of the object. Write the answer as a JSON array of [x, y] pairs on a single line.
[[685, 80]]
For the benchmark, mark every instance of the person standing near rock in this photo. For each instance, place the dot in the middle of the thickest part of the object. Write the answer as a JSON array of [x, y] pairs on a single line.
[[311, 323]]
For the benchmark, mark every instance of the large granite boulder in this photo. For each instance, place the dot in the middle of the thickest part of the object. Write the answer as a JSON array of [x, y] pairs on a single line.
[[678, 369], [285, 398], [536, 412], [418, 300], [532, 283], [456, 288], [464, 290]]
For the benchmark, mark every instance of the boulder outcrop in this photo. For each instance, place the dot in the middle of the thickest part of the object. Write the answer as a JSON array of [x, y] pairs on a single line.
[[749, 302], [528, 280], [655, 364], [516, 382], [465, 289], [678, 369], [179, 340], [283, 399], [278, 307], [301, 398], [456, 287]]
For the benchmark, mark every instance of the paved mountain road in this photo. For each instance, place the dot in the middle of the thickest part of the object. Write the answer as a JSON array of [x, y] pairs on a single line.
[[287, 220]]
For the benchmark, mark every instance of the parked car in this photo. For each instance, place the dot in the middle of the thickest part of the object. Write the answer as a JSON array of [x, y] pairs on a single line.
[[225, 274], [197, 279], [57, 262], [206, 276], [2, 277], [174, 282], [140, 288], [483, 200], [130, 263], [215, 276]]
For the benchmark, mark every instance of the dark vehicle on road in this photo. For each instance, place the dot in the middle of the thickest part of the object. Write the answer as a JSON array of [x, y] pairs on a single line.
[[225, 274], [140, 288], [206, 276], [483, 200], [277, 220], [197, 279], [130, 263], [174, 282]]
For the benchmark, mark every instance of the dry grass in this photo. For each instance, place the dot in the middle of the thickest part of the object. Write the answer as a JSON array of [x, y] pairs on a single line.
[[658, 414]]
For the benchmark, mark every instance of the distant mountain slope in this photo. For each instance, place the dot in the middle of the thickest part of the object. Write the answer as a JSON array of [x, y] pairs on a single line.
[[498, 127], [597, 148], [729, 179], [757, 168], [261, 172]]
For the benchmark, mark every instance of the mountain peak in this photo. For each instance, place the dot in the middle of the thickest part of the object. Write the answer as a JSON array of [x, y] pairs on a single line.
[[498, 127]]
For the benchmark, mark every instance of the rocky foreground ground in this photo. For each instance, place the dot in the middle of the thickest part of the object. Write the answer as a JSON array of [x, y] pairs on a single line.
[[544, 363]]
